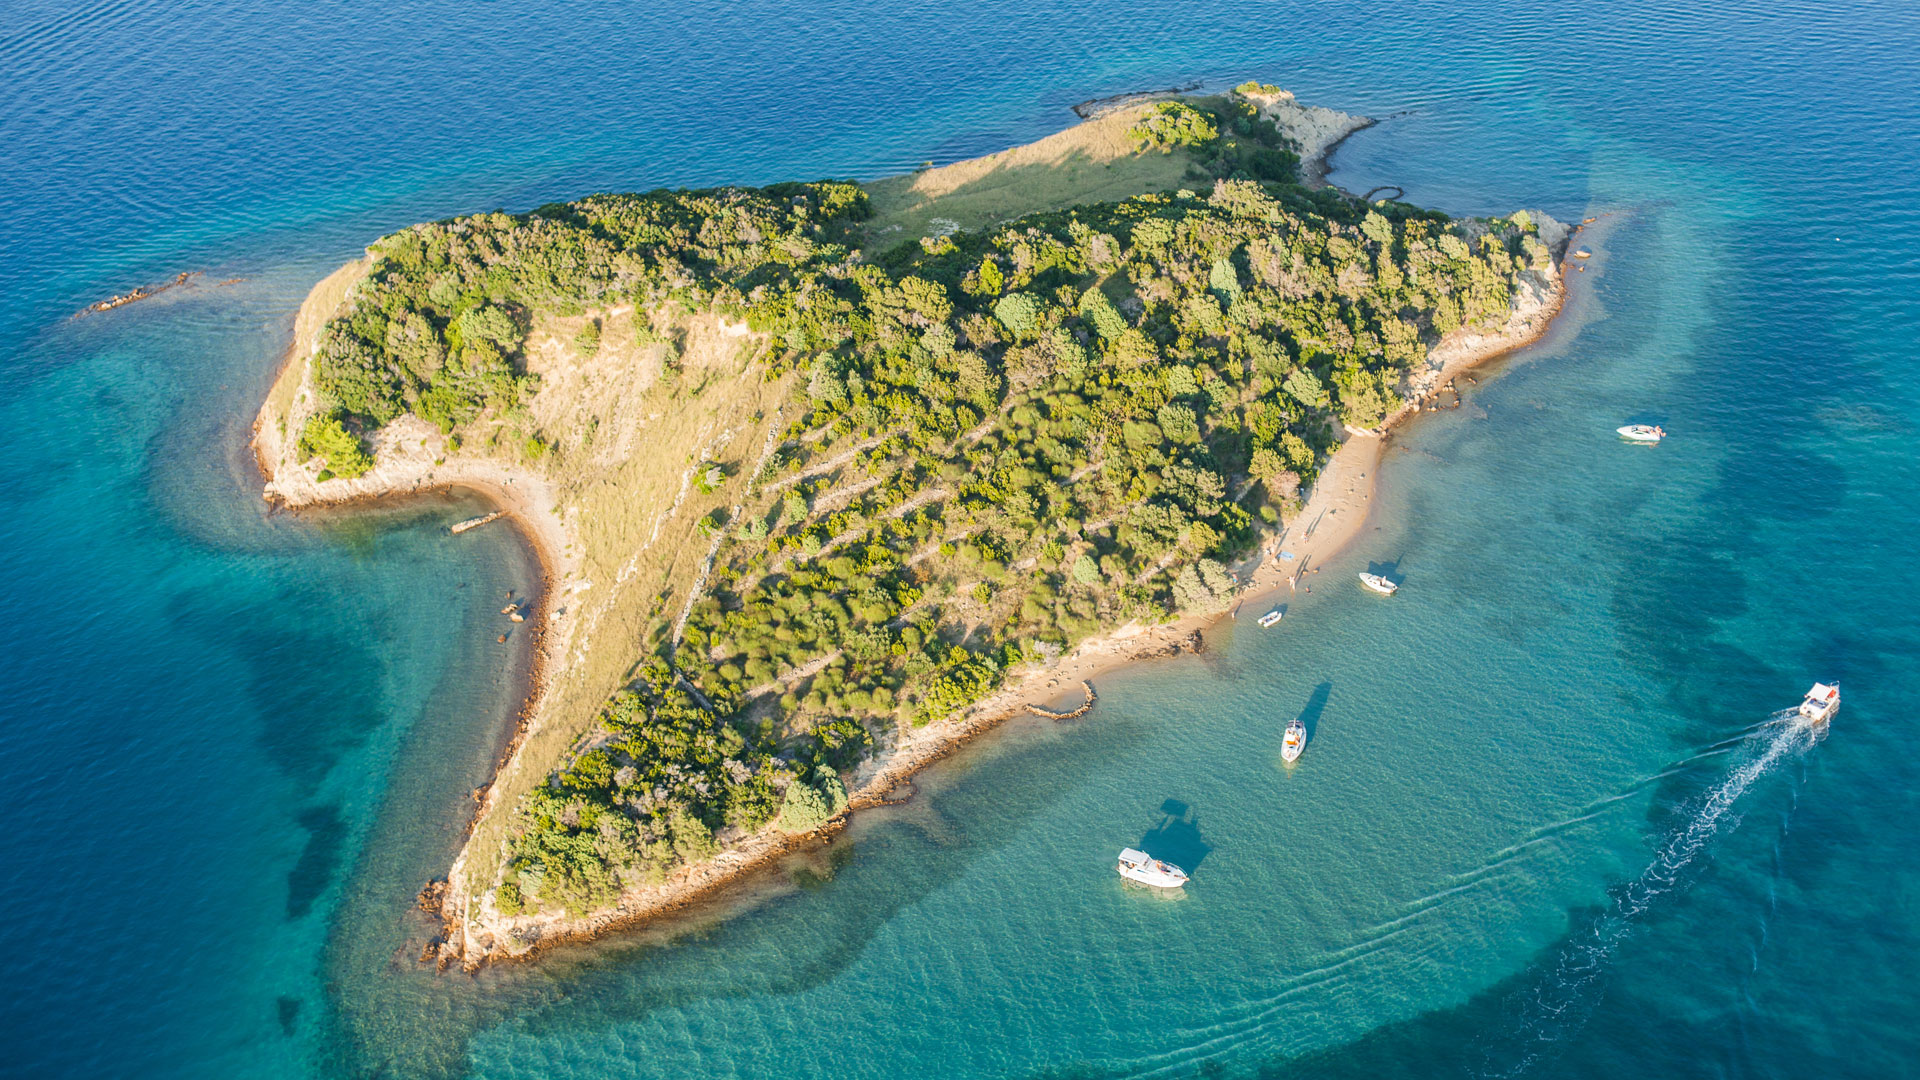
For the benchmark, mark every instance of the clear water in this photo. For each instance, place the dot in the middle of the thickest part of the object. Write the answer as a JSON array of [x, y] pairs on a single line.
[[1542, 826]]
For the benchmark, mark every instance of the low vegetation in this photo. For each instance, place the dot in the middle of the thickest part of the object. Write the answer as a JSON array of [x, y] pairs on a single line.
[[997, 443]]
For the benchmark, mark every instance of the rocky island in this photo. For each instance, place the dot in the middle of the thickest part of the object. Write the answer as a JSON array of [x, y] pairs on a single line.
[[828, 476]]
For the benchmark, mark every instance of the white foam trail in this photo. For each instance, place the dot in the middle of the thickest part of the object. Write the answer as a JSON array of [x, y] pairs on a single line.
[[1556, 1006]]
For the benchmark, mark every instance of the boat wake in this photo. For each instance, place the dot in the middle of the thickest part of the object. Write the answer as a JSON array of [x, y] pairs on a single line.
[[1557, 1004]]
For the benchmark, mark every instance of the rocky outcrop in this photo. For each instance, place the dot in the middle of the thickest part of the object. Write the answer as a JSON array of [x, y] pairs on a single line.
[[1316, 129]]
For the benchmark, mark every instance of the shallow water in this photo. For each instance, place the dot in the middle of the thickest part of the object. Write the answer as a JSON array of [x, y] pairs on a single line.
[[1542, 826]]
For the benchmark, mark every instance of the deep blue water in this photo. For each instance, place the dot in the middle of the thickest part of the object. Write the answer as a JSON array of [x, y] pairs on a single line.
[[1541, 828]]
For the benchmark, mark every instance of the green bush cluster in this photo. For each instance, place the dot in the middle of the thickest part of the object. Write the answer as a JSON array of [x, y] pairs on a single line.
[[1173, 123], [437, 325], [668, 777]]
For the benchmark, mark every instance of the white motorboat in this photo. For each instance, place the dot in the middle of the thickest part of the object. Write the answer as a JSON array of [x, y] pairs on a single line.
[[1272, 617], [1296, 741], [1642, 433], [1820, 704], [1143, 868], [1379, 584]]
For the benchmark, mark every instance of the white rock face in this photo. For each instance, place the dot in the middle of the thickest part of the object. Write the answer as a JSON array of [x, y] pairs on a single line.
[[1315, 128], [1552, 233]]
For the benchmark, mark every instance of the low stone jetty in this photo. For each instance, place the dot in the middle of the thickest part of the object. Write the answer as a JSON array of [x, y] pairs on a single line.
[[474, 523], [144, 292], [1075, 714]]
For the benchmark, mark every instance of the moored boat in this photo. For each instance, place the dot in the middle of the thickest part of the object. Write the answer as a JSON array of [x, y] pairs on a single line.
[[1642, 433], [1379, 584], [1147, 870], [1820, 703], [1272, 617], [1296, 740]]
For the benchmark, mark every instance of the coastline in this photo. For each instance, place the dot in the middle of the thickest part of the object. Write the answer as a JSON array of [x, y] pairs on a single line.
[[411, 460], [411, 463]]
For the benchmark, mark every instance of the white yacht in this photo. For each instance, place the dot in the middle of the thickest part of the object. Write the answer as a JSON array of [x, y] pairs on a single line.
[[1379, 584], [1296, 741], [1139, 866], [1642, 433], [1821, 703], [1272, 617]]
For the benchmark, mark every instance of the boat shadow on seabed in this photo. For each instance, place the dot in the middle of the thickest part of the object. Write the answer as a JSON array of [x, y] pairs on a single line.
[[1316, 704], [1176, 839]]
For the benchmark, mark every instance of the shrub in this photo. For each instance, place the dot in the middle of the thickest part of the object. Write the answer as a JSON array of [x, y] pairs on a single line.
[[587, 341]]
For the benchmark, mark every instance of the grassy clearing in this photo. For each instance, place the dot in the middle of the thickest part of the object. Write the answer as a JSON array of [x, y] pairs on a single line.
[[1088, 163]]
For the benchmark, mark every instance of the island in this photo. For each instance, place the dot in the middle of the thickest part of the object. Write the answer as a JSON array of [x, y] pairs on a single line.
[[829, 476]]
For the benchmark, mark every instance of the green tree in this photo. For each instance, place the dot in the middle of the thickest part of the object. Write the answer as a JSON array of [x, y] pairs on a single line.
[[804, 809], [1365, 397], [487, 324], [1100, 312], [325, 437], [1019, 313], [1179, 423], [1301, 385]]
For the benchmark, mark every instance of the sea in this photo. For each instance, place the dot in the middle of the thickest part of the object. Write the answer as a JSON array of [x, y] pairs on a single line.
[[1548, 823]]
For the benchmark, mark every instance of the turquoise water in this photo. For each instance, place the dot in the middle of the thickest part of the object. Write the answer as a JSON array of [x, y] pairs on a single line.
[[1542, 827]]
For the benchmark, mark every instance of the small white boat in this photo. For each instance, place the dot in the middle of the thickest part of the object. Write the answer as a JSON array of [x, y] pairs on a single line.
[[1642, 433], [1143, 868], [1379, 584], [1272, 617], [1296, 741], [1820, 704]]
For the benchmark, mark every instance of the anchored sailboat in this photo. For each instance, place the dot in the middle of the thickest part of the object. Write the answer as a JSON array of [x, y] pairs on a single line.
[[1296, 741]]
